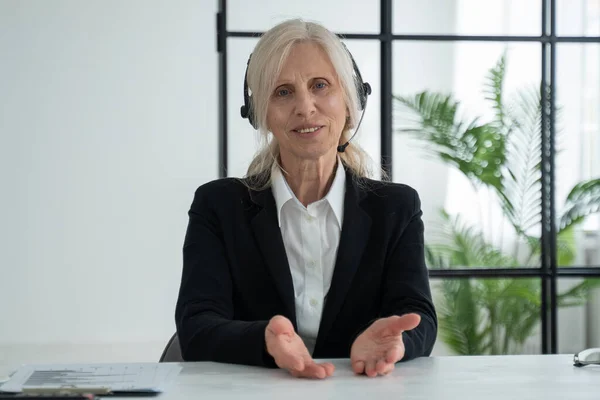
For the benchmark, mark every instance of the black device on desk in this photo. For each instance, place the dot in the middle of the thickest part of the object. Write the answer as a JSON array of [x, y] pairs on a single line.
[[49, 396]]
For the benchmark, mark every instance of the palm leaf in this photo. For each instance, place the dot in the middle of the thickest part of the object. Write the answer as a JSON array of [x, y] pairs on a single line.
[[459, 317], [477, 150], [583, 200], [522, 314], [565, 247], [493, 90], [521, 201], [578, 294], [506, 301], [462, 245], [513, 318], [434, 259]]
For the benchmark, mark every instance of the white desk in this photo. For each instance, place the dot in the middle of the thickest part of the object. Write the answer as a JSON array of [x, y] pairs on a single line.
[[457, 378]]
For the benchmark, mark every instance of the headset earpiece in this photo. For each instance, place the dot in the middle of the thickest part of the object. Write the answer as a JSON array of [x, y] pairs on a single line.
[[366, 91], [363, 88], [247, 110]]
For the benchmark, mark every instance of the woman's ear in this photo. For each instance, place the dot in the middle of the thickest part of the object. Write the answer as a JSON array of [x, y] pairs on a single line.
[[347, 125]]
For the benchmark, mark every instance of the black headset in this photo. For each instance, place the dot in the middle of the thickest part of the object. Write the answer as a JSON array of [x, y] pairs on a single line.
[[363, 89]]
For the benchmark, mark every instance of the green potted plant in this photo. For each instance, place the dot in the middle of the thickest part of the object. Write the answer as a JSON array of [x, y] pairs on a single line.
[[494, 316]]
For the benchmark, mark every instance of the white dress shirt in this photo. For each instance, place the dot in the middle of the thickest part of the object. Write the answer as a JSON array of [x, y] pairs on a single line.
[[311, 236]]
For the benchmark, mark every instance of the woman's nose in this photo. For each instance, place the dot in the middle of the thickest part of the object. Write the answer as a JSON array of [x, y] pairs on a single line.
[[305, 103]]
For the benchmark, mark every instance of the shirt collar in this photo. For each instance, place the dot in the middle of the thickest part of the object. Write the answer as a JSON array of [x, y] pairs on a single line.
[[281, 190], [335, 197]]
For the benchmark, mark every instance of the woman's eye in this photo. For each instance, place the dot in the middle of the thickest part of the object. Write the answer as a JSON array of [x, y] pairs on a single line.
[[283, 92], [321, 85]]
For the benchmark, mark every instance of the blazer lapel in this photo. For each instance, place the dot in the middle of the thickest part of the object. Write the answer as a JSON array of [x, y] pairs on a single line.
[[353, 239], [269, 239]]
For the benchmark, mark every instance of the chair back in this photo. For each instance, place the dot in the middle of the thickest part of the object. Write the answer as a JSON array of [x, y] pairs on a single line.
[[172, 351]]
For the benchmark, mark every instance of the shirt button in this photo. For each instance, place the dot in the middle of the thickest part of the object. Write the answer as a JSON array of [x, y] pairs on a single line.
[[314, 302], [310, 218], [312, 263]]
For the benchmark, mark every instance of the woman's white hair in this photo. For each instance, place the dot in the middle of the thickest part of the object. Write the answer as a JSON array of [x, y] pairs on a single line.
[[264, 68]]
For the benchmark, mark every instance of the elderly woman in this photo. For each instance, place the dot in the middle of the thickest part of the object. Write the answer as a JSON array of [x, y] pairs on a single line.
[[306, 257]]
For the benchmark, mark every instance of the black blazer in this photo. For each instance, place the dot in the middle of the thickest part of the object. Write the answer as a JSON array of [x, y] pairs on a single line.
[[236, 275]]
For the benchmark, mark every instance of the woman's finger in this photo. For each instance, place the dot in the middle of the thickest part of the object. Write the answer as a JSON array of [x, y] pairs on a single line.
[[381, 366], [389, 368], [358, 367], [329, 368], [370, 368]]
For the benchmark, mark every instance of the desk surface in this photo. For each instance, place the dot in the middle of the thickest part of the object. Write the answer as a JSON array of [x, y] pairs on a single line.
[[504, 377], [464, 378]]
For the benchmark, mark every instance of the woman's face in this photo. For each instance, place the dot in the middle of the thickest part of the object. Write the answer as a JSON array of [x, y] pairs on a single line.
[[306, 111]]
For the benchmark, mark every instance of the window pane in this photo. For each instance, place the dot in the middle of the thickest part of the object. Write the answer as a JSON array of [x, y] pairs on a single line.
[[243, 140], [487, 316], [356, 16], [451, 144], [578, 314], [578, 154], [578, 17], [467, 17]]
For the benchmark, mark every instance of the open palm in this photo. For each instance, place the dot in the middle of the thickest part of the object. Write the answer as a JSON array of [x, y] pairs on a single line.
[[380, 346], [290, 352]]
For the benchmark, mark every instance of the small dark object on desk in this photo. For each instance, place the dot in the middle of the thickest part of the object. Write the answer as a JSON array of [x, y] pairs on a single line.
[[50, 396]]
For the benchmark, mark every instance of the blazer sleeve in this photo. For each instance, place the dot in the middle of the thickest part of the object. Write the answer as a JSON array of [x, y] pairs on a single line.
[[406, 285], [204, 310]]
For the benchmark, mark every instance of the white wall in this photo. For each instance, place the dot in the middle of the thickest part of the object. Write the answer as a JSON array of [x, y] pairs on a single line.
[[108, 124]]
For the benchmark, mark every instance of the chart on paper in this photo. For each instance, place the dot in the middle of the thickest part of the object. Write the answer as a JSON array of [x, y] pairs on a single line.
[[141, 377]]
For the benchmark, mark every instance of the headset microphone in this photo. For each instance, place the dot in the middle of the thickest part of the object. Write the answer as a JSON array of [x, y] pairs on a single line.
[[342, 147]]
